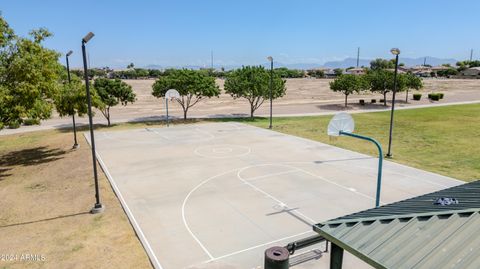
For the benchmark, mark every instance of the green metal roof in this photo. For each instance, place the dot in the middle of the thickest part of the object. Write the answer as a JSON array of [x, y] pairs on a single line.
[[414, 233]]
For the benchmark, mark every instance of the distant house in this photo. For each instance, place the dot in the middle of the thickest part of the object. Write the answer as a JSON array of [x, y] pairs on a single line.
[[440, 68], [315, 71], [356, 71], [330, 73], [471, 72], [399, 71], [421, 71]]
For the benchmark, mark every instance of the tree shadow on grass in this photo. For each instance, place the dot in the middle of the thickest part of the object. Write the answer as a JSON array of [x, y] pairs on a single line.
[[31, 156], [81, 127], [43, 220], [356, 106]]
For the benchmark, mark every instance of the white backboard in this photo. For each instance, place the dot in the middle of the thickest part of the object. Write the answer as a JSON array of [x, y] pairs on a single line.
[[172, 93], [341, 122]]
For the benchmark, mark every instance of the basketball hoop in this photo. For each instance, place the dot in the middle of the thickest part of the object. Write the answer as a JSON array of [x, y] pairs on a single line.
[[342, 124], [170, 94]]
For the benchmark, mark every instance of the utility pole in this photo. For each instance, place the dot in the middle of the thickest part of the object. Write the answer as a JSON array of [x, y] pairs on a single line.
[[425, 61], [471, 55], [358, 56]]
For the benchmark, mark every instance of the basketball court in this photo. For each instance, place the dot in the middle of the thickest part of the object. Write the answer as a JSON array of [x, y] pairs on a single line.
[[216, 195]]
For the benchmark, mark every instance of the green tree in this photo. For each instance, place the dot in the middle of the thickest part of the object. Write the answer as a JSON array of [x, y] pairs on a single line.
[[380, 63], [141, 73], [253, 84], [154, 73], [71, 99], [338, 71], [380, 81], [447, 72], [348, 84], [192, 85], [316, 73], [411, 82], [468, 64], [29, 76], [284, 72], [111, 93], [130, 66]]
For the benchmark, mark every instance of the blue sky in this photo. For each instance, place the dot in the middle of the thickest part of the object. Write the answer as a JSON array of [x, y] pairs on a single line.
[[180, 32]]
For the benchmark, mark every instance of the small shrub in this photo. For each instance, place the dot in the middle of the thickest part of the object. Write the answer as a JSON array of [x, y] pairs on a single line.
[[14, 125], [417, 96], [374, 101], [435, 96], [31, 122], [362, 102], [441, 95]]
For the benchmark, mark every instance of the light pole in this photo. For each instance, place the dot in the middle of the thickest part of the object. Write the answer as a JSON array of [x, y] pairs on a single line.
[[98, 207], [270, 58], [75, 144], [396, 52]]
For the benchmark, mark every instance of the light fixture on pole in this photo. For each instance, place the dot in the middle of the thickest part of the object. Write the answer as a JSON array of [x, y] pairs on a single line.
[[75, 144], [396, 52], [270, 58], [98, 207]]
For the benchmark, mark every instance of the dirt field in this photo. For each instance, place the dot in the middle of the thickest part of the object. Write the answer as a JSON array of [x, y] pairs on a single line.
[[305, 91], [304, 96], [46, 192]]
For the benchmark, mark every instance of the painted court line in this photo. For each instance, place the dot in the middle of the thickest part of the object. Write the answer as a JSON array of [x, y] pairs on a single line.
[[269, 195], [386, 171], [199, 242], [272, 175], [185, 223], [257, 246], [247, 150], [210, 136], [339, 185]]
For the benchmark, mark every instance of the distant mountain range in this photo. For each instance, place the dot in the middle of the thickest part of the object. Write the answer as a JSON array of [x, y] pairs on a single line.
[[345, 63]]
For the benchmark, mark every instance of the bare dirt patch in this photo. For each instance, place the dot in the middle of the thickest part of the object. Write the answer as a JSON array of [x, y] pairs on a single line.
[[304, 96], [46, 192]]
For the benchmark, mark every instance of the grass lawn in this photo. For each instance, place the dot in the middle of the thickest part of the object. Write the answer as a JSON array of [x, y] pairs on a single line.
[[443, 140], [46, 188]]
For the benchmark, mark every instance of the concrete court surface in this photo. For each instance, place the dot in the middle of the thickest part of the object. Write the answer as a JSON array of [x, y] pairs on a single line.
[[216, 195]]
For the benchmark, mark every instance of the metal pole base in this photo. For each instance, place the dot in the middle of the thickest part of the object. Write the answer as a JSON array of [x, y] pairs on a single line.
[[277, 258], [97, 208], [75, 146], [390, 156]]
